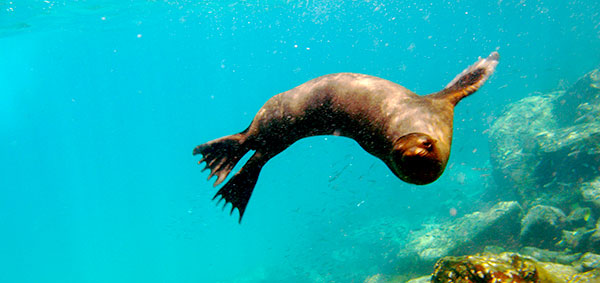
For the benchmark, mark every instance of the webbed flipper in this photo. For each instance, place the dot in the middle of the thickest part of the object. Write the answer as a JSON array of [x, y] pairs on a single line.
[[221, 155], [238, 189], [470, 80]]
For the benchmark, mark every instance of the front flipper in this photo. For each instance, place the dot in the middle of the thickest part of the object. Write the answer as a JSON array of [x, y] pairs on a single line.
[[470, 80], [238, 189]]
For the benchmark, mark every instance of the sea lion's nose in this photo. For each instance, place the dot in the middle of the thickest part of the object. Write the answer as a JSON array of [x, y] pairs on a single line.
[[427, 143]]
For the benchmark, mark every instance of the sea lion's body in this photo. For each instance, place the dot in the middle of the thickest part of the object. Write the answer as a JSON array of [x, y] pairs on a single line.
[[372, 111], [412, 134]]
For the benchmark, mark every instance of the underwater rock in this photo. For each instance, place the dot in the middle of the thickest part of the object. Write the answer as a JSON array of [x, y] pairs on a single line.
[[577, 241], [529, 265], [544, 146], [485, 268], [595, 239], [377, 278], [512, 137], [506, 267], [591, 192], [567, 108], [493, 250], [592, 276], [469, 234], [542, 226], [550, 256], [587, 262], [424, 279], [579, 217]]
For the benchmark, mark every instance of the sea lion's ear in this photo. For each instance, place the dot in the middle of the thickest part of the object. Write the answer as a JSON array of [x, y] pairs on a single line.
[[469, 80]]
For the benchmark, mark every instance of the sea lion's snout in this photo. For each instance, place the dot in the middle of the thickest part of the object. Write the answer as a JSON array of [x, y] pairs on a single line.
[[422, 146], [416, 159]]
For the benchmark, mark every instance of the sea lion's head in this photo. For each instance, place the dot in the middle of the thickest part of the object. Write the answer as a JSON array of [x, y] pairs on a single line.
[[418, 158]]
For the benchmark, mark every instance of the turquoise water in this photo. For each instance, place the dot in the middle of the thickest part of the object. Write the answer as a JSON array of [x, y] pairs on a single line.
[[102, 102]]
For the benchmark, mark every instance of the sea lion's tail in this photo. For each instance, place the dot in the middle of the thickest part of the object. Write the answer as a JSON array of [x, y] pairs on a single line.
[[221, 156], [469, 80]]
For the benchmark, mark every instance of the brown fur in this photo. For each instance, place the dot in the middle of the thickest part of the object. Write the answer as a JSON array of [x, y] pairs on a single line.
[[412, 134]]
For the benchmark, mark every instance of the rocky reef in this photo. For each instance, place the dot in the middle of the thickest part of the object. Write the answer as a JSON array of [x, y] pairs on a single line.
[[555, 255], [545, 149], [464, 235], [507, 267], [543, 223], [545, 152]]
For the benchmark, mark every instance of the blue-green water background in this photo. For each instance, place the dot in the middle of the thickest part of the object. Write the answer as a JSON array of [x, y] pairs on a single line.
[[102, 102]]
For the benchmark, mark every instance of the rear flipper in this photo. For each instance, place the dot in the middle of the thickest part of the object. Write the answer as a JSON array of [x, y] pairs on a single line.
[[470, 80], [238, 189], [221, 155]]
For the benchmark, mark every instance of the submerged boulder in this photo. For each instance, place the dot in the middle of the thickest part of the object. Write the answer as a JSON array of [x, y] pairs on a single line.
[[507, 267], [469, 234], [587, 262], [579, 217], [579, 240], [590, 192], [512, 140], [543, 147], [423, 279], [595, 238], [574, 104], [485, 268], [542, 226], [561, 257]]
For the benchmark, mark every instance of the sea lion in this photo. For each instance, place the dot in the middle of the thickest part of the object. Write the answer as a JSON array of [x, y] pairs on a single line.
[[411, 134]]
